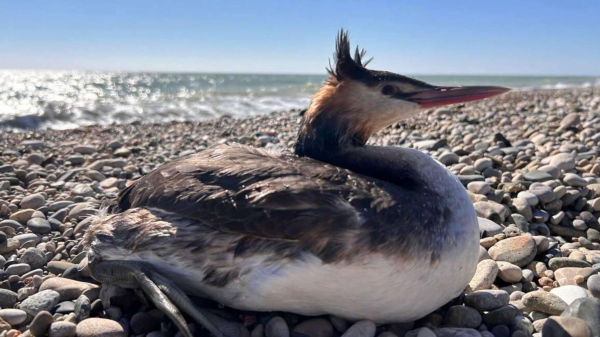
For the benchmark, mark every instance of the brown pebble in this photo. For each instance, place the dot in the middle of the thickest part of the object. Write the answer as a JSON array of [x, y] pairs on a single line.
[[41, 323]]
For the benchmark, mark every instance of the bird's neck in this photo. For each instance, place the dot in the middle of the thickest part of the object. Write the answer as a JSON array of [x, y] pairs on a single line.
[[322, 134], [329, 141]]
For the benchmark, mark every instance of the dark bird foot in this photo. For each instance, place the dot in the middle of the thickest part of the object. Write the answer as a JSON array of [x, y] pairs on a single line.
[[167, 296]]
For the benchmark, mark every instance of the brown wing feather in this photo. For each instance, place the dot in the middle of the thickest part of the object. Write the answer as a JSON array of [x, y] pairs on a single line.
[[254, 192]]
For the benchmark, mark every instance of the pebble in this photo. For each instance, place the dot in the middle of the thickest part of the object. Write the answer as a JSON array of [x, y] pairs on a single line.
[[593, 285], [519, 250], [33, 201], [13, 316], [65, 307], [587, 309], [277, 327], [41, 323], [59, 267], [484, 277], [317, 327], [33, 257], [509, 272], [566, 327], [569, 275], [22, 216], [82, 190], [39, 226], [83, 307], [488, 228], [564, 161], [479, 187], [22, 238], [482, 164], [85, 149], [362, 329], [563, 262], [543, 192], [501, 316], [571, 179], [544, 302], [531, 198], [538, 176], [33, 143], [8, 298], [448, 158], [100, 327], [143, 322], [491, 210], [76, 159], [66, 288], [455, 332], [43, 301], [462, 317], [421, 332], [486, 300], [569, 293], [570, 120], [62, 329], [17, 269]]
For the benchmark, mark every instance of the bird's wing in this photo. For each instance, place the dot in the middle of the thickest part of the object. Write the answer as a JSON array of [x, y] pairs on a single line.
[[248, 191]]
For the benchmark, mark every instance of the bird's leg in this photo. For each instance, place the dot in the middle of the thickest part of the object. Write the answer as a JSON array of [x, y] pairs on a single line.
[[162, 292]]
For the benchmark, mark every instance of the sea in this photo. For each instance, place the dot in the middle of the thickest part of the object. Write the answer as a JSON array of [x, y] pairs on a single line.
[[33, 99]]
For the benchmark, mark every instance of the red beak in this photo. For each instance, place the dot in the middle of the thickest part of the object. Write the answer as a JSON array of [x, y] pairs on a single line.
[[439, 96]]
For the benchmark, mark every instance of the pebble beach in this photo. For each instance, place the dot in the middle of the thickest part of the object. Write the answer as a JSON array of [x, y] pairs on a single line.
[[530, 161]]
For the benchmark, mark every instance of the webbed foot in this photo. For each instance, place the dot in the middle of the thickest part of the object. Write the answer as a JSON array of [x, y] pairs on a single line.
[[167, 296]]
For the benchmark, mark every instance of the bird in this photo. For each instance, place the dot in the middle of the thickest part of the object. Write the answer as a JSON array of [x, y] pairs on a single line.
[[337, 227]]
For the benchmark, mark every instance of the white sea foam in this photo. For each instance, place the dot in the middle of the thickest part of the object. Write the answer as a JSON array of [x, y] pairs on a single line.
[[66, 99]]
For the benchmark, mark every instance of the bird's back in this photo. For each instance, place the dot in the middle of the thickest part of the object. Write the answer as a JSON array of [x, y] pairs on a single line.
[[266, 195]]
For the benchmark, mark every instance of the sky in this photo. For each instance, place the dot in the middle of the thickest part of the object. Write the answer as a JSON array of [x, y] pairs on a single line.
[[415, 37]]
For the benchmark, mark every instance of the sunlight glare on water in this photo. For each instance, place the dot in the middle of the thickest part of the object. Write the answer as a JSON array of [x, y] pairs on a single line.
[[65, 99]]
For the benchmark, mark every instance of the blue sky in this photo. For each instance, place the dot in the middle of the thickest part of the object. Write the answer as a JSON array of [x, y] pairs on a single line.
[[417, 37]]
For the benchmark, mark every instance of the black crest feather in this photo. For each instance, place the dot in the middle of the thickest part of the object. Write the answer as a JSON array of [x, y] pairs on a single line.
[[345, 65]]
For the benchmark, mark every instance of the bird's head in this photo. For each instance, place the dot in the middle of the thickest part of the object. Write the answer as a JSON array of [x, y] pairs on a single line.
[[355, 102]]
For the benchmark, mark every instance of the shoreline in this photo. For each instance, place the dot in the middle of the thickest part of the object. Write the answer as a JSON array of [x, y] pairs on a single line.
[[514, 96], [530, 161], [53, 108]]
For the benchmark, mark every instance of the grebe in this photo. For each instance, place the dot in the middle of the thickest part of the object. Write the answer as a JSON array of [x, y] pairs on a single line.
[[342, 228]]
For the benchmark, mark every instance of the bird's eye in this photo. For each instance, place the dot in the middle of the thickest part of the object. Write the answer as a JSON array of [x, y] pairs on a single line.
[[388, 90]]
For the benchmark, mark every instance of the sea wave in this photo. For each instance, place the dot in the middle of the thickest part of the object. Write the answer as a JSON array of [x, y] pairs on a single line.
[[67, 99]]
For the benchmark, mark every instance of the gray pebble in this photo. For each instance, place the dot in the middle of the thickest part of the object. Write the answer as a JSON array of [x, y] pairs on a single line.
[[44, 300], [62, 329], [462, 317]]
